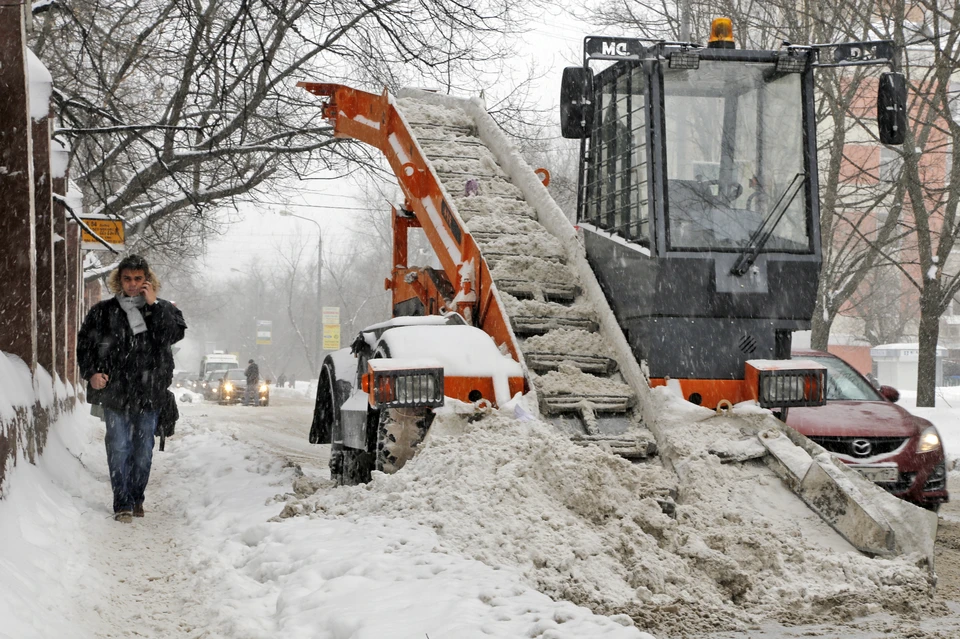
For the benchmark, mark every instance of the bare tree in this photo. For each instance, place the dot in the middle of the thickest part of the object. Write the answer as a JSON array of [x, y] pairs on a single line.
[[931, 166], [174, 109]]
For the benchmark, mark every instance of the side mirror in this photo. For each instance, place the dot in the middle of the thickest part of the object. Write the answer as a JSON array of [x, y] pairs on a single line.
[[892, 108], [890, 393], [576, 108]]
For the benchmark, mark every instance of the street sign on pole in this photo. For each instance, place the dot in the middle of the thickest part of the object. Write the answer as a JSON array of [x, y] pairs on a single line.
[[331, 328], [331, 337], [331, 314], [110, 229], [264, 331]]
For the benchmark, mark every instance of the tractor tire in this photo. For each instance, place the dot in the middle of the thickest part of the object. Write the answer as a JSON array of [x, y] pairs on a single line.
[[356, 467], [400, 432], [336, 464]]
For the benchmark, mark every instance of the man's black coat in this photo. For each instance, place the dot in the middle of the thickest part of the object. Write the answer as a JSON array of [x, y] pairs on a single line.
[[139, 367], [252, 373]]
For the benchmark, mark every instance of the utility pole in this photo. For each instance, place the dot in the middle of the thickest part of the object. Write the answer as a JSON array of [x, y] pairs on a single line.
[[319, 313]]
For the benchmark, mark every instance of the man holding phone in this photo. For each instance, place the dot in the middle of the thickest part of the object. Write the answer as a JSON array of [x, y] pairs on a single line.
[[123, 351]]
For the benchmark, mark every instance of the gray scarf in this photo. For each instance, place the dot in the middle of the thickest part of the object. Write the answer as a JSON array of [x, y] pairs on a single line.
[[132, 306]]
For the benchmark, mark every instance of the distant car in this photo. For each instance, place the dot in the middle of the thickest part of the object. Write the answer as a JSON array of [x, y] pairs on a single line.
[[184, 380], [864, 428], [210, 386], [233, 388]]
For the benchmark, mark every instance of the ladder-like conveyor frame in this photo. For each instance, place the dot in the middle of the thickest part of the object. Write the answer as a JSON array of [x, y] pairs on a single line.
[[375, 120]]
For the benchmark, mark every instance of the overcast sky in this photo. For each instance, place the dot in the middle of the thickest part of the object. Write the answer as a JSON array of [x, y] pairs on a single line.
[[555, 43]]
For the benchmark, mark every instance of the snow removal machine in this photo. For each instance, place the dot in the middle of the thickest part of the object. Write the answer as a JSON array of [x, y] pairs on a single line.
[[697, 217], [695, 256], [698, 190]]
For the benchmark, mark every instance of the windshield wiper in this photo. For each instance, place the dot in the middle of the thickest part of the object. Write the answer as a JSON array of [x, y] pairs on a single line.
[[761, 236]]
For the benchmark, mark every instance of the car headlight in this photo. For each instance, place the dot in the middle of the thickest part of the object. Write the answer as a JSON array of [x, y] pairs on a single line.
[[263, 388], [929, 440], [228, 387]]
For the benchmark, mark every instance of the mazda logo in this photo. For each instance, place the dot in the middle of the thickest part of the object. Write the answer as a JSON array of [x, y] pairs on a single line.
[[861, 447]]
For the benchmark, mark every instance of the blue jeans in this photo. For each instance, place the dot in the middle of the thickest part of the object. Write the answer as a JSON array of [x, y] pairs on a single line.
[[129, 443]]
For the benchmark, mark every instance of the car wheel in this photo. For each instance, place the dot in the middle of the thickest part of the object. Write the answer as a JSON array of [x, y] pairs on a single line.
[[399, 434]]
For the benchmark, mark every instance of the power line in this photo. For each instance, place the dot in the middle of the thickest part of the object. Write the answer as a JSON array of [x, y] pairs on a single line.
[[311, 206]]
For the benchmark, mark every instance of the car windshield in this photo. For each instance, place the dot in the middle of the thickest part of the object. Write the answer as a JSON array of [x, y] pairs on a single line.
[[215, 376], [843, 382], [236, 375]]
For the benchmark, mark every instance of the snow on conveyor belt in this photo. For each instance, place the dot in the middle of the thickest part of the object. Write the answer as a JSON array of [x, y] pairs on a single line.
[[572, 367]]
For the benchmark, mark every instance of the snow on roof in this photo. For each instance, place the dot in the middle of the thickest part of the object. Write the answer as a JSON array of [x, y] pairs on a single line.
[[41, 86], [413, 320], [464, 351]]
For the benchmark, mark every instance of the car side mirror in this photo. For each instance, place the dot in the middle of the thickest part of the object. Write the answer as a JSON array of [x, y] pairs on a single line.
[[892, 108], [890, 393], [576, 108]]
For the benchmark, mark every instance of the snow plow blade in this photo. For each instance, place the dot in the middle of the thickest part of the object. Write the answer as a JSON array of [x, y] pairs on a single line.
[[864, 514]]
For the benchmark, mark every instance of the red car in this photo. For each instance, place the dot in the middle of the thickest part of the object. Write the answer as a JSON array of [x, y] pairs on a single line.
[[865, 428]]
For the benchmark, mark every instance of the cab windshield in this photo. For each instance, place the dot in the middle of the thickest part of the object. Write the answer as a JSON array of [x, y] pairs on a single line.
[[735, 161]]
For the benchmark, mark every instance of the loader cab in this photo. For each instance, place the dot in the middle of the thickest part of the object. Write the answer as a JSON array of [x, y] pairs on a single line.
[[697, 200]]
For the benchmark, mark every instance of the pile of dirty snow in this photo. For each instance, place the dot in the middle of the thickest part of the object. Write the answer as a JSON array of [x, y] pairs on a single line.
[[586, 526]]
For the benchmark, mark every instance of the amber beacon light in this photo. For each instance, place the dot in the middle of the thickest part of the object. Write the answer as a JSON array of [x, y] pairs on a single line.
[[721, 34]]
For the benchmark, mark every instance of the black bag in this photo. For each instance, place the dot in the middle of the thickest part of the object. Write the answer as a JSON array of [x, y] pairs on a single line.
[[167, 418]]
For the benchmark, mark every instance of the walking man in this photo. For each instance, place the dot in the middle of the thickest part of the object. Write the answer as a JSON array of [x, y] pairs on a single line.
[[253, 383], [123, 351]]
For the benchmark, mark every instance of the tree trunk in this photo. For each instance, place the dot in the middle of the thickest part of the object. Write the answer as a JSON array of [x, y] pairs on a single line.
[[820, 326], [929, 335]]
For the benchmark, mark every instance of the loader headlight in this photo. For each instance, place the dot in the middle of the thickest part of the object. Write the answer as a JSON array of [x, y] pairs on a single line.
[[929, 440], [410, 387], [786, 383], [415, 388]]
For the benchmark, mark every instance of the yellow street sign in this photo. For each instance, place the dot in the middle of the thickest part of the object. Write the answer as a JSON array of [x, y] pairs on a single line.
[[109, 229], [331, 337]]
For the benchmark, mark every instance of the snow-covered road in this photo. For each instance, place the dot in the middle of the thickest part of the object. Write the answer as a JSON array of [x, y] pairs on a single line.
[[211, 558], [459, 545]]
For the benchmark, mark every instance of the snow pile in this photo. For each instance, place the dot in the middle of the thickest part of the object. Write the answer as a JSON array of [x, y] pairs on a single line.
[[16, 391], [206, 561], [587, 526]]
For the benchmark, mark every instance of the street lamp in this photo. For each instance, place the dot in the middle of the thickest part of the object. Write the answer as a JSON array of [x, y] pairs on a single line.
[[319, 336]]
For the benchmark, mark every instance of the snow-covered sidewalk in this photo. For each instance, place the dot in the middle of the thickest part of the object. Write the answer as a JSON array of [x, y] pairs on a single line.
[[212, 559]]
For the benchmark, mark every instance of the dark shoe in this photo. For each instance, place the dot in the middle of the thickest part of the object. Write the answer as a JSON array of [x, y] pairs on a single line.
[[138, 510], [124, 516]]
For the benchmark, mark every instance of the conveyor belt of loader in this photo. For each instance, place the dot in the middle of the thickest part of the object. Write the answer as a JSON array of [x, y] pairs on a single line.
[[574, 370]]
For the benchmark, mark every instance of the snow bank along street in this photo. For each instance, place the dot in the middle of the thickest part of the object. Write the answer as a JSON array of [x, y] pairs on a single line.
[[212, 559], [497, 528]]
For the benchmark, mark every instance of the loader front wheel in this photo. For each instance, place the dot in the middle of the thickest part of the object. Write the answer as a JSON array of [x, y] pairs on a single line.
[[399, 433], [355, 467]]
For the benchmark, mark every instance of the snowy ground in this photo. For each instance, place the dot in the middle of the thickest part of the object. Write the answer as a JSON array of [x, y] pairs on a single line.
[[211, 559], [464, 543]]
